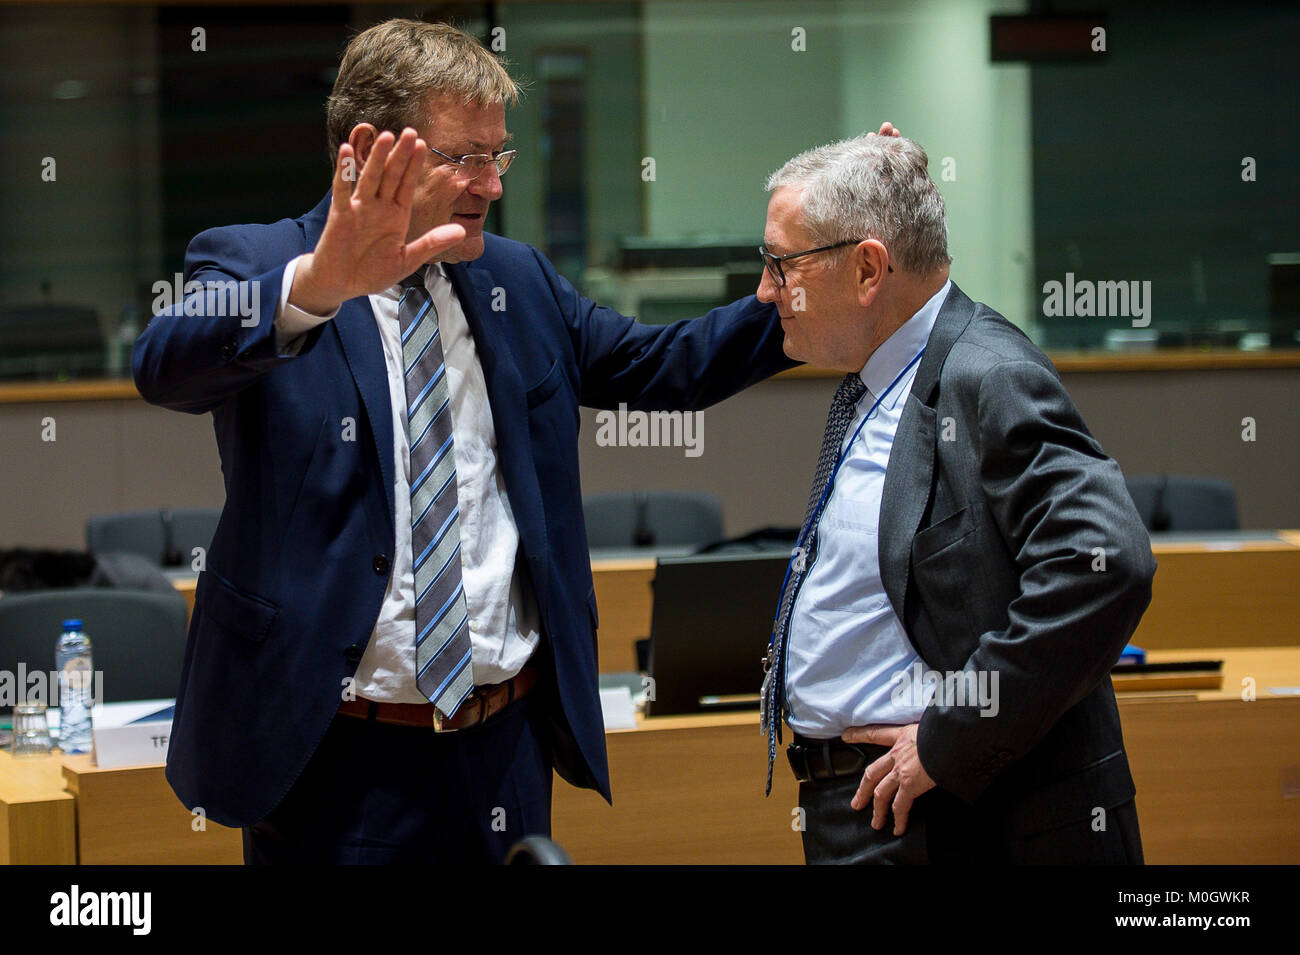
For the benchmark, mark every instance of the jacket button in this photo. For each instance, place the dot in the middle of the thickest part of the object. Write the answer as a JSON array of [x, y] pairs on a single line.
[[380, 563], [353, 653]]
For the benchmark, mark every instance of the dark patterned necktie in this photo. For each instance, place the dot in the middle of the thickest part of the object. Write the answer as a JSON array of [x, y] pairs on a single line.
[[443, 671], [843, 409]]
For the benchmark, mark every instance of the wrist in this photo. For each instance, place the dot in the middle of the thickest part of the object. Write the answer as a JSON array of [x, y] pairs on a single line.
[[309, 293]]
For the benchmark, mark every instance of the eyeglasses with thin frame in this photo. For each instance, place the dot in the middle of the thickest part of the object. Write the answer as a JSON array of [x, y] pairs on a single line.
[[773, 262], [472, 164]]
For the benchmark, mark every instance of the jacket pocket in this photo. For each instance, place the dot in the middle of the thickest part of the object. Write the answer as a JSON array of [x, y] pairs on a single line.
[[234, 610], [539, 392], [1100, 786], [944, 534]]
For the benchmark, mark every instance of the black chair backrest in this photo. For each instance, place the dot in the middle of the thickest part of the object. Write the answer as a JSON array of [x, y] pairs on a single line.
[[652, 519], [137, 638], [165, 537], [1170, 502]]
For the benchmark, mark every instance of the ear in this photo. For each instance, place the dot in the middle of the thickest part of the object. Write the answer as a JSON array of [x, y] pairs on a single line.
[[871, 264], [362, 138]]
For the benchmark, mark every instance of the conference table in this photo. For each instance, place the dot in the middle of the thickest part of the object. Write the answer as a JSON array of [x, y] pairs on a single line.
[[1217, 769]]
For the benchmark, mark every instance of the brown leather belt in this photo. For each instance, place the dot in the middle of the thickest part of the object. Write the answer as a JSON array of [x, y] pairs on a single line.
[[482, 703]]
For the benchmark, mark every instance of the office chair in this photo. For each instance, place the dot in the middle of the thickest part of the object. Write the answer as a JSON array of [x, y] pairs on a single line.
[[165, 537], [652, 519], [1169, 502], [137, 639], [537, 850]]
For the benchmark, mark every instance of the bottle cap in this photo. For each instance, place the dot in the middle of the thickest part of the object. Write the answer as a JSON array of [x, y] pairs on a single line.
[[73, 624]]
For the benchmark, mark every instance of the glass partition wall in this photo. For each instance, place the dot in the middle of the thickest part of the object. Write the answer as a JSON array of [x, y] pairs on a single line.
[[1137, 194]]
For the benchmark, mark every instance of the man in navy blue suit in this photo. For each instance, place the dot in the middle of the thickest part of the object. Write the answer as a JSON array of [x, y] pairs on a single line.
[[393, 643]]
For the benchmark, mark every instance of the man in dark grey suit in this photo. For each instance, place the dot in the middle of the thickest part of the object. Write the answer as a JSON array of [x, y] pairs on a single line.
[[970, 565]]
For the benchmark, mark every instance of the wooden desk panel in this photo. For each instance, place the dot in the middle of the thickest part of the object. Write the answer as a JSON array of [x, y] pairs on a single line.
[[1218, 782], [1218, 779], [687, 790], [1218, 775], [186, 587], [624, 597], [1207, 595], [130, 816], [38, 820]]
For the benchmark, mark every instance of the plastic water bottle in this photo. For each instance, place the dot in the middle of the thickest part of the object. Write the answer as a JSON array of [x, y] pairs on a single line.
[[76, 681]]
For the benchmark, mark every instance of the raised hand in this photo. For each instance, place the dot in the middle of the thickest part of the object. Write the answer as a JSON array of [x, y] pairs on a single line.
[[364, 248]]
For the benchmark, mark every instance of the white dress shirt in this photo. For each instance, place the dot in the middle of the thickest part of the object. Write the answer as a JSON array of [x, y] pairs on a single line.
[[503, 615], [847, 649]]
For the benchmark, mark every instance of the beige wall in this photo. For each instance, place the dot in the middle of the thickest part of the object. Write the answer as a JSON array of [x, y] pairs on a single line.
[[758, 450], [107, 456], [760, 447]]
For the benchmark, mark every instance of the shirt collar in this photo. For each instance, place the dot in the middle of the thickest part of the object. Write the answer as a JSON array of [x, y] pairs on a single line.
[[889, 360], [434, 273]]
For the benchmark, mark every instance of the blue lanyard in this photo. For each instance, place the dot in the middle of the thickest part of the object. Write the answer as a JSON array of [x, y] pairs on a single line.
[[830, 483]]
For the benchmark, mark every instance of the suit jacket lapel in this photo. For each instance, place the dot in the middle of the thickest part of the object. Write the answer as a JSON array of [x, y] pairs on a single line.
[[359, 336], [506, 396], [909, 477]]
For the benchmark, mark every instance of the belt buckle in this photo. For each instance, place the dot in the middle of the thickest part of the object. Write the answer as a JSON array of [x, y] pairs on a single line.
[[440, 723], [798, 758]]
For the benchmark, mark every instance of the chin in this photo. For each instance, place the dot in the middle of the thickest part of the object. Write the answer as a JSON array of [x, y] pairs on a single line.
[[466, 251]]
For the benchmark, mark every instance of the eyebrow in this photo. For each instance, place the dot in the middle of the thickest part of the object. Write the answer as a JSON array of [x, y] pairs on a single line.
[[477, 144]]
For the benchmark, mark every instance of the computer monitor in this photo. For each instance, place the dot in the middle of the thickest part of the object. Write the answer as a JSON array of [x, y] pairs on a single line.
[[710, 628]]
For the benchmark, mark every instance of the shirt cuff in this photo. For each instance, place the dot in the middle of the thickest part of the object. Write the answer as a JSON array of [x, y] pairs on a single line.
[[291, 322]]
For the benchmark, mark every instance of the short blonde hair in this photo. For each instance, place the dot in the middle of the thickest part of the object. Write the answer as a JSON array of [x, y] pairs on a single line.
[[391, 71]]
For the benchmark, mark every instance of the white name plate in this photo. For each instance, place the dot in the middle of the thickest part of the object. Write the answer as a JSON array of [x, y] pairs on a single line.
[[616, 705], [136, 744]]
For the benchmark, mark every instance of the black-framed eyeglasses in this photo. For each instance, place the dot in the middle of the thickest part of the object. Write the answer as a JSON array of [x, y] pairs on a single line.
[[472, 164], [773, 262]]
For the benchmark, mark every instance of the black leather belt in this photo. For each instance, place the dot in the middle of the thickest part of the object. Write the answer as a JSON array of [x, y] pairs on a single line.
[[817, 760]]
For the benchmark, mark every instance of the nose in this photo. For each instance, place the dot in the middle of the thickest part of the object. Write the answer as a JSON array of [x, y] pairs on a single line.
[[488, 184], [767, 288]]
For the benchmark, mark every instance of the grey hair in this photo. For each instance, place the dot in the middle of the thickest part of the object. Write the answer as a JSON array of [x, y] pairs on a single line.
[[871, 187]]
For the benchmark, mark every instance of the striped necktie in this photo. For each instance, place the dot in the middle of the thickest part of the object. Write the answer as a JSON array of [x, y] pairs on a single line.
[[443, 671], [843, 408]]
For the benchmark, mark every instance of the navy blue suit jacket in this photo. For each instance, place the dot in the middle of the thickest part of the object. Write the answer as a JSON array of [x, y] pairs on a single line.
[[298, 568]]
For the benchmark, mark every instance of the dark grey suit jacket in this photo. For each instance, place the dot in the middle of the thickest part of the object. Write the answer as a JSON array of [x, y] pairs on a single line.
[[995, 501]]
